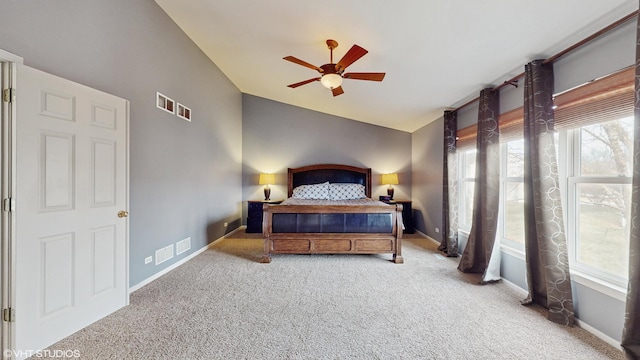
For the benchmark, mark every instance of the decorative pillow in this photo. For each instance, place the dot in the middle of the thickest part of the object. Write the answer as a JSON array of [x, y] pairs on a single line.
[[314, 191], [346, 191]]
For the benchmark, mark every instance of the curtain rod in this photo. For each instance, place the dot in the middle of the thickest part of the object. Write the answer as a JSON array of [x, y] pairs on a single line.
[[560, 54]]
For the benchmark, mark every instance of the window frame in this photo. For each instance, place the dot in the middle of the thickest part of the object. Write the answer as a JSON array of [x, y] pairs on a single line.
[[572, 181], [504, 180], [609, 97], [463, 179]]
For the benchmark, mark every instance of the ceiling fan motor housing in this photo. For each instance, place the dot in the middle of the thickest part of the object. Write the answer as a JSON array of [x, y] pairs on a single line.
[[329, 69]]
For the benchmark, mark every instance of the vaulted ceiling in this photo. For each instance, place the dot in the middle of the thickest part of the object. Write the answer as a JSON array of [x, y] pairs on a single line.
[[436, 54]]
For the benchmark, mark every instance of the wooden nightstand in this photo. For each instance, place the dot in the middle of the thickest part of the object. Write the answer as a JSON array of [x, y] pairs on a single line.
[[254, 214], [407, 214]]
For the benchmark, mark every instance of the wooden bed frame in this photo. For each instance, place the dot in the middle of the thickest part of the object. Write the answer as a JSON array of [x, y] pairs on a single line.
[[331, 243]]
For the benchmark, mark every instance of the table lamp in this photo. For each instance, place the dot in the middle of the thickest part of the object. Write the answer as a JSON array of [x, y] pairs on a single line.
[[266, 179], [390, 179]]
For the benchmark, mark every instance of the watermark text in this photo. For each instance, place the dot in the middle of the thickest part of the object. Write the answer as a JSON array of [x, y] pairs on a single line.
[[46, 353]]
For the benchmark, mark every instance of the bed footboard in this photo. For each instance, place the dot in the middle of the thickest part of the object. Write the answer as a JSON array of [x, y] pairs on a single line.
[[292, 229]]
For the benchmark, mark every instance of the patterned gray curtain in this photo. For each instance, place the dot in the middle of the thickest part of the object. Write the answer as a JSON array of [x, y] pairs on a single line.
[[631, 332], [545, 242], [449, 242], [478, 252]]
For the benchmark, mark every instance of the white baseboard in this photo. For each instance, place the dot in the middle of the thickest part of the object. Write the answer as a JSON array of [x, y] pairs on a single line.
[[524, 292], [579, 323], [428, 237], [602, 336], [177, 264]]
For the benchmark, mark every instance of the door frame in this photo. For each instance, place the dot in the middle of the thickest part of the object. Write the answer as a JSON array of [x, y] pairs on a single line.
[[7, 191]]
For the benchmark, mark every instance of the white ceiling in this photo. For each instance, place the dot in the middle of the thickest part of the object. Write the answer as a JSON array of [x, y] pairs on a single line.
[[437, 54]]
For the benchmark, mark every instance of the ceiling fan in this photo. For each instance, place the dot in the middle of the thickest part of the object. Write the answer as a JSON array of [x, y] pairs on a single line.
[[332, 74]]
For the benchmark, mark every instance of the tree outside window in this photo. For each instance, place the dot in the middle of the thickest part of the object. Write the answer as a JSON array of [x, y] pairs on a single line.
[[602, 197]]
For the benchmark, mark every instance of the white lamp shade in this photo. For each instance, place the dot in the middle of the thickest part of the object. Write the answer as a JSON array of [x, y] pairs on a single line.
[[331, 81]]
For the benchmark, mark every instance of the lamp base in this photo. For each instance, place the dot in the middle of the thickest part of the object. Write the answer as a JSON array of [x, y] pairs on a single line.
[[390, 192], [267, 193]]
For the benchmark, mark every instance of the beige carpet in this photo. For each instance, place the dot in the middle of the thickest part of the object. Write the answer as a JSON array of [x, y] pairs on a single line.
[[224, 304]]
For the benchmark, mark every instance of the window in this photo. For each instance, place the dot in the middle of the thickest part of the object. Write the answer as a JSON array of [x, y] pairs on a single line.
[[512, 193], [599, 197], [467, 174], [596, 121], [594, 145]]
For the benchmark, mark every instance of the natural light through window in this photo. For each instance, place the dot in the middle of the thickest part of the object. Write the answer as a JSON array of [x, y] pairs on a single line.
[[600, 191], [467, 173], [595, 168], [513, 192]]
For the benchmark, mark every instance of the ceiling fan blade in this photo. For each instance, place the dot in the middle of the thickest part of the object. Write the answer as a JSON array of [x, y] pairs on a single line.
[[337, 91], [364, 76], [293, 86], [355, 53], [303, 63]]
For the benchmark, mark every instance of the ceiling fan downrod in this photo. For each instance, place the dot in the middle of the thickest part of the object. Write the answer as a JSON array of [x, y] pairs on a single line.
[[332, 44]]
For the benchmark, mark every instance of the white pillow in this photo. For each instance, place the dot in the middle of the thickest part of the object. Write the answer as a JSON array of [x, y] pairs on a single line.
[[314, 191], [346, 191]]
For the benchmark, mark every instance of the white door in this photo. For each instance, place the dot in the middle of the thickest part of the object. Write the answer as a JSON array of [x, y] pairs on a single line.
[[72, 183]]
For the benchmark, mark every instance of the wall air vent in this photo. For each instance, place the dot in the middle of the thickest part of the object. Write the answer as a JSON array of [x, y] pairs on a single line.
[[183, 245], [184, 112], [164, 254], [165, 103]]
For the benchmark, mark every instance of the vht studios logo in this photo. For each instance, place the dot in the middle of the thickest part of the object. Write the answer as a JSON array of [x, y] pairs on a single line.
[[62, 354]]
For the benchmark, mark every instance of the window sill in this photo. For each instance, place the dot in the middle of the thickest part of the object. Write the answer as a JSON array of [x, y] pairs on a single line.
[[517, 253], [601, 286], [614, 291]]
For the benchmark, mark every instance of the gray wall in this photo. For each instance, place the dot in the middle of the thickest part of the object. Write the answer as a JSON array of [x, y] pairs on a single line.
[[277, 136], [426, 152], [185, 177], [602, 310]]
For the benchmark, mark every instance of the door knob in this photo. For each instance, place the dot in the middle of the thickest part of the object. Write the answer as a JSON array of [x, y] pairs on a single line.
[[123, 213]]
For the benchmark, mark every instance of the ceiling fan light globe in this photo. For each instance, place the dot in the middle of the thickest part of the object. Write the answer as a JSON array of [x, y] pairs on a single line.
[[331, 81]]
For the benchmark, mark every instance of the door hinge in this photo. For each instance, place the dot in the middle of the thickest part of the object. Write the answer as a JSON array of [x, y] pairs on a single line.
[[9, 95], [9, 315], [8, 205]]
